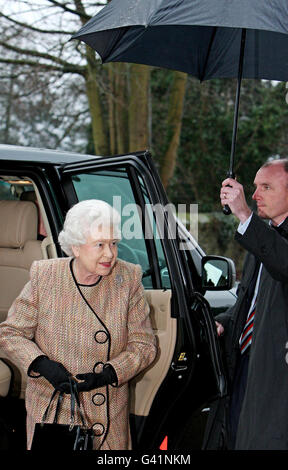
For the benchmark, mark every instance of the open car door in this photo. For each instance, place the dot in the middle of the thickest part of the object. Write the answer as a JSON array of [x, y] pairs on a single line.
[[188, 372]]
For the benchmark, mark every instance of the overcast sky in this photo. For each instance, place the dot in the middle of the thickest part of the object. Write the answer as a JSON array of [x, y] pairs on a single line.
[[42, 11]]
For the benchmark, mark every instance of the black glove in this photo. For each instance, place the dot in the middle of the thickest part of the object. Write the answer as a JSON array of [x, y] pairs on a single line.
[[93, 380], [53, 371]]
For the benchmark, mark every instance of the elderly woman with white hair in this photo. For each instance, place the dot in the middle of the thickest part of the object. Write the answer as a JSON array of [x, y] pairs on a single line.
[[84, 316]]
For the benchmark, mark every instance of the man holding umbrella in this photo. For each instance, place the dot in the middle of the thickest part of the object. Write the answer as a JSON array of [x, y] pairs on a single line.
[[255, 330]]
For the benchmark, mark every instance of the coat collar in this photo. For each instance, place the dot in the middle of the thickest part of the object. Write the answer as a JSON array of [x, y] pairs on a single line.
[[282, 229]]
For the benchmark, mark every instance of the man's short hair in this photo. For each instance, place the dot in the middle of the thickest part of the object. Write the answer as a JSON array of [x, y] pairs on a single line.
[[283, 161]]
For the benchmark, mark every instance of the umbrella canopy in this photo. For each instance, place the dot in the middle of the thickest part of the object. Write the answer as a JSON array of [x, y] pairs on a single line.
[[204, 38], [200, 37]]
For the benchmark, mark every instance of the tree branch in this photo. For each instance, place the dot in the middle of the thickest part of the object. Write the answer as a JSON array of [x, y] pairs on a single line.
[[68, 130], [32, 28], [70, 10], [81, 10], [67, 68], [41, 55]]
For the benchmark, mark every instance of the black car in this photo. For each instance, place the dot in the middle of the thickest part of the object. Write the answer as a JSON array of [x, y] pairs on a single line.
[[168, 399]]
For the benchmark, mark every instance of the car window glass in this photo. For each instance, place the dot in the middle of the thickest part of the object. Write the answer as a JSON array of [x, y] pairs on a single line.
[[115, 188], [151, 216], [12, 188]]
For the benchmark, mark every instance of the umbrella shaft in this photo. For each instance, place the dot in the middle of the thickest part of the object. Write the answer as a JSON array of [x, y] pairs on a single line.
[[236, 109]]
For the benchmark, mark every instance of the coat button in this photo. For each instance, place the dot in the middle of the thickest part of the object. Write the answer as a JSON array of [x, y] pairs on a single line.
[[101, 336], [98, 429], [98, 399]]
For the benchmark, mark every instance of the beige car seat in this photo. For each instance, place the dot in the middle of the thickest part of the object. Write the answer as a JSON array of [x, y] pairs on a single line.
[[19, 247]]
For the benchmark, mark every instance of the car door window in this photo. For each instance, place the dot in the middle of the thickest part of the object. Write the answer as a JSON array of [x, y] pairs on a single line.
[[114, 186]]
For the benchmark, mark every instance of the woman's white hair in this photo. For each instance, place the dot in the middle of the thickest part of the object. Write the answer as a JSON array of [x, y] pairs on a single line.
[[82, 218]]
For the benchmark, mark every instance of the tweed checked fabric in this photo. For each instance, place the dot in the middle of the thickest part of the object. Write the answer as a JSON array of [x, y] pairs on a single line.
[[107, 322]]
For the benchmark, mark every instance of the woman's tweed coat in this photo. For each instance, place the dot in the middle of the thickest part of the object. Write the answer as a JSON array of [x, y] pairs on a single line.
[[51, 317]]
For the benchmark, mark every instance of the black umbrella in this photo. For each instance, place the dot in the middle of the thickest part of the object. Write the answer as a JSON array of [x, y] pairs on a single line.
[[204, 38]]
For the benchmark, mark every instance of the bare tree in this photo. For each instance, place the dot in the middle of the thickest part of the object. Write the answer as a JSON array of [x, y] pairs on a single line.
[[35, 36]]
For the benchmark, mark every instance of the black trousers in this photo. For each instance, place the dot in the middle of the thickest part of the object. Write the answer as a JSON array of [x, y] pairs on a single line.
[[237, 395]]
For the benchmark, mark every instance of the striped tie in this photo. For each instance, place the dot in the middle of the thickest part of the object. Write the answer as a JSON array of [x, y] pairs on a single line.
[[246, 337]]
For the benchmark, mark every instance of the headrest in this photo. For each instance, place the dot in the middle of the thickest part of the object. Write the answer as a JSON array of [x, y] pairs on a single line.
[[18, 223], [28, 196]]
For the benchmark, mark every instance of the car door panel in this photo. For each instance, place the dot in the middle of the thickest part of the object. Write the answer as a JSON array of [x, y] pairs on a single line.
[[145, 386]]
